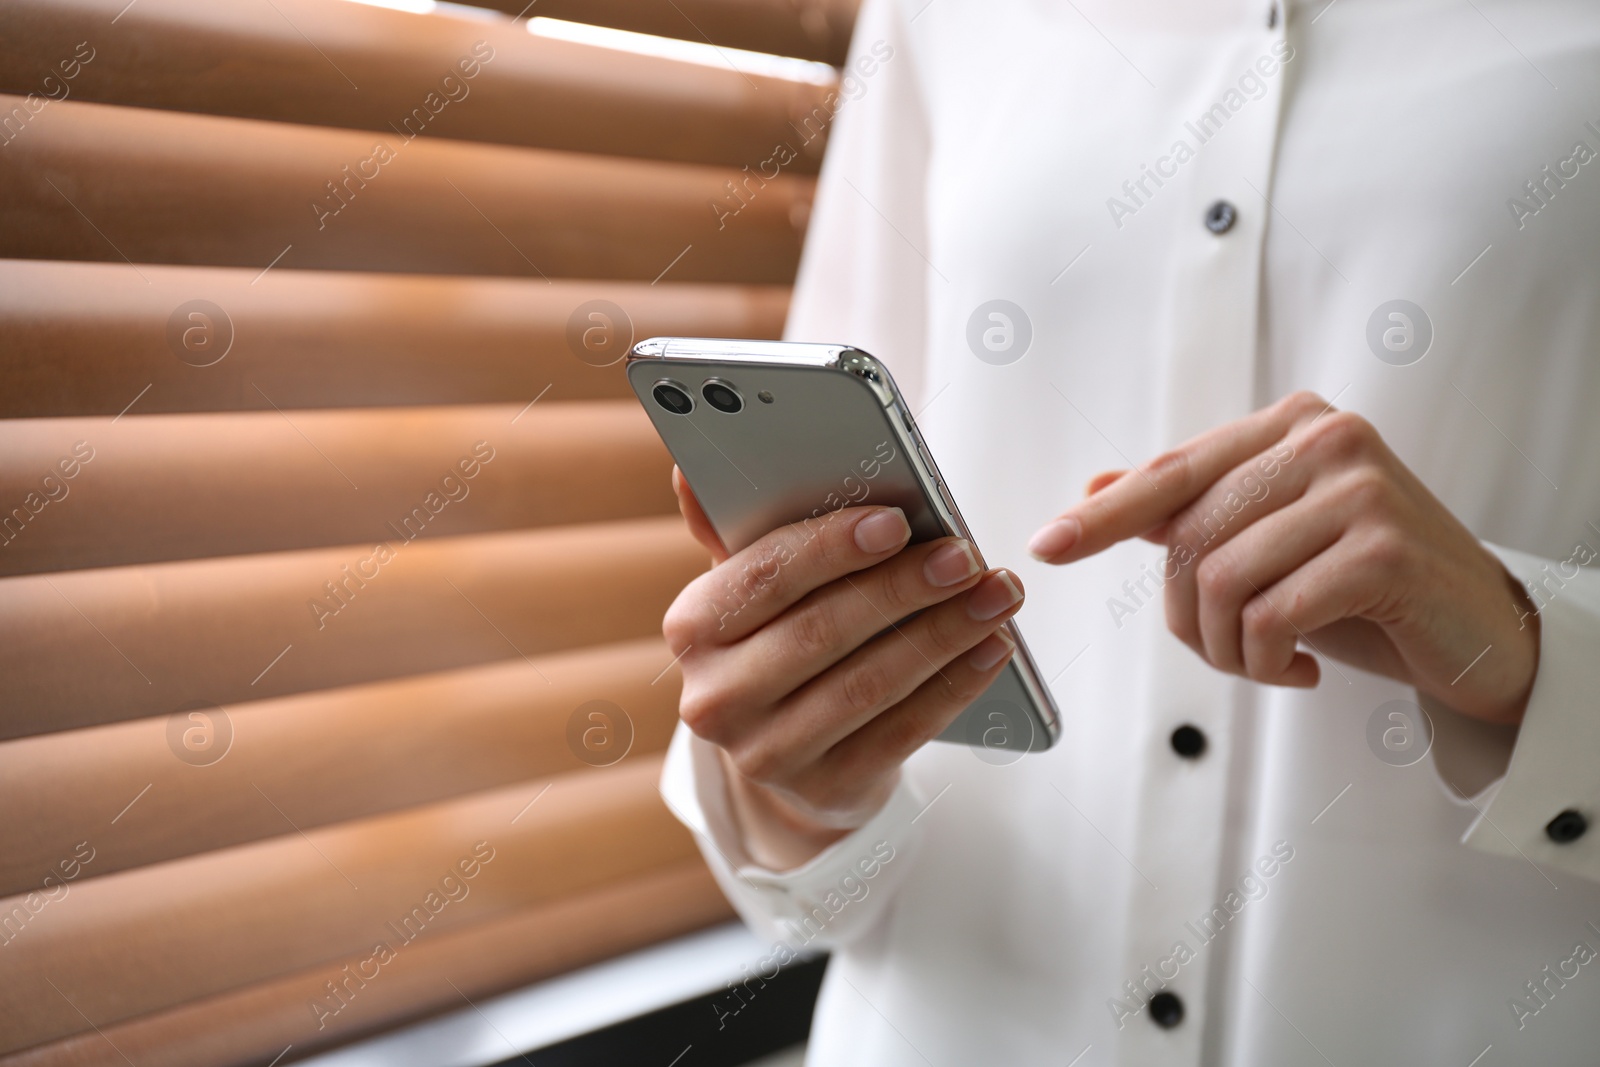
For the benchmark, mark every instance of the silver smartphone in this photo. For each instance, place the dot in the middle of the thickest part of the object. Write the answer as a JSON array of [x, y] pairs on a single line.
[[771, 433]]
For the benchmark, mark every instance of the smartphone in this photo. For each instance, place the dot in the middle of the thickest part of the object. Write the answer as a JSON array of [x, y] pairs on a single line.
[[770, 433]]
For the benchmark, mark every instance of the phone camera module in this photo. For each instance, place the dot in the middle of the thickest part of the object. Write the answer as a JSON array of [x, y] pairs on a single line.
[[674, 397], [722, 396]]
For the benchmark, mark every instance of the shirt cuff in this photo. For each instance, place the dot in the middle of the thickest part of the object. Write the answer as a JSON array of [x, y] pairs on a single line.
[[1552, 786], [829, 900]]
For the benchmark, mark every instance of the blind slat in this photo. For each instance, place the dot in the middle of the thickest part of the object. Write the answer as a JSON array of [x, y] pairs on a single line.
[[231, 918], [106, 183], [386, 656], [88, 647], [90, 338], [816, 29], [248, 1027], [358, 66], [165, 487], [325, 757]]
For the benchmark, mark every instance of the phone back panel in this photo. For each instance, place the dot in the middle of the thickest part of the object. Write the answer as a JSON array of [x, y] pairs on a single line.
[[825, 441]]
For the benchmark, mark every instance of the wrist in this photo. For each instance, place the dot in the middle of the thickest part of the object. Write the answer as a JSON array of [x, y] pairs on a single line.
[[775, 833], [1501, 693], [1528, 629]]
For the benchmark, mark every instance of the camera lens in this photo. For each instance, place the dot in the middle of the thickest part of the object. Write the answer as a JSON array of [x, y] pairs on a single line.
[[673, 397], [721, 396]]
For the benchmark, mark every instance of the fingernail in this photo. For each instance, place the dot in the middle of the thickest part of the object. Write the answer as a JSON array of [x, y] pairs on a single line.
[[990, 651], [949, 564], [1055, 539], [882, 530], [994, 594]]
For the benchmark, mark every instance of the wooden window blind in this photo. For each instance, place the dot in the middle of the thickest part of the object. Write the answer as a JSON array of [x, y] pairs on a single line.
[[333, 548]]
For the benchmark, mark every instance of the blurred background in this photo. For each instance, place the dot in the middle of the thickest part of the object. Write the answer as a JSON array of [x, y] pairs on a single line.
[[333, 547]]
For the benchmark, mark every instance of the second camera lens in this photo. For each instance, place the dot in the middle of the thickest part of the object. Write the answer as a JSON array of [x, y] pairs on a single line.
[[721, 396]]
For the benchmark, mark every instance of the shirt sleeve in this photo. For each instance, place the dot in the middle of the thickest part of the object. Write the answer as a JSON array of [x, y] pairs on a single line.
[[862, 281], [830, 900], [1554, 768]]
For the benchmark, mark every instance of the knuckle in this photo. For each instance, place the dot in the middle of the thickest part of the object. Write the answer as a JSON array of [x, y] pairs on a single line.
[[765, 574], [947, 632], [1203, 520], [1387, 551], [901, 591], [1303, 402], [682, 624], [1170, 471], [763, 569], [1216, 575], [704, 710], [760, 576], [1264, 630], [906, 733], [1341, 434], [830, 540], [1369, 490], [864, 686], [1260, 621], [1184, 543], [814, 629]]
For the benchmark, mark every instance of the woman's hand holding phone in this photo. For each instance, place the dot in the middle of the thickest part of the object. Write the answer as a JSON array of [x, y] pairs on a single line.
[[801, 665]]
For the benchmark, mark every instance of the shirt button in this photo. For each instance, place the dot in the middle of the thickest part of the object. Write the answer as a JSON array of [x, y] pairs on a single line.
[[1221, 216], [1272, 16], [1567, 827], [1188, 741], [1166, 1010]]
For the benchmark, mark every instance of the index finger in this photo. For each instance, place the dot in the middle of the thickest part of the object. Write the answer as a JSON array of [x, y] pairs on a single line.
[[760, 582], [1145, 498]]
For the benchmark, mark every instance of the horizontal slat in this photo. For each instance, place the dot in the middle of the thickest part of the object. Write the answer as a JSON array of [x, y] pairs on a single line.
[[248, 1027], [223, 920], [89, 338], [816, 29], [106, 183], [357, 66], [326, 757], [168, 487], [101, 646]]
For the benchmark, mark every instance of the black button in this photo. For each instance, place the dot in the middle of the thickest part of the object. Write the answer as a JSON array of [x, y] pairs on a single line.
[[1272, 16], [1188, 741], [1567, 827], [1166, 1010], [1221, 216]]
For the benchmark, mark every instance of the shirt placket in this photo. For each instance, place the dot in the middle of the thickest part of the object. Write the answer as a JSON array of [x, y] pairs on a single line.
[[1192, 747]]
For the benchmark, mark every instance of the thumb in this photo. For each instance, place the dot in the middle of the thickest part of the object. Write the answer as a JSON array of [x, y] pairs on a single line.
[[695, 516]]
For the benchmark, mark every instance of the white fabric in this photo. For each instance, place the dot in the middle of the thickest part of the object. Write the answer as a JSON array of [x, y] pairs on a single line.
[[1393, 138]]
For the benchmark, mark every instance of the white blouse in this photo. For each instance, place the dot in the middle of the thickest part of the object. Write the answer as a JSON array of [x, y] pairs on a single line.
[[1190, 208]]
